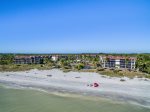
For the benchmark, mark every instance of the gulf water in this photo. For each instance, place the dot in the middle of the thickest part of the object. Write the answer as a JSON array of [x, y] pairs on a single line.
[[19, 100]]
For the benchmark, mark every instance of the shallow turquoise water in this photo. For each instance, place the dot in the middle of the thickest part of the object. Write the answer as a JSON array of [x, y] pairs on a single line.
[[15, 100]]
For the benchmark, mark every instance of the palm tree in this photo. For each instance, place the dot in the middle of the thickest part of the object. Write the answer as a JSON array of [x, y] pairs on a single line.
[[143, 62], [95, 61], [126, 62]]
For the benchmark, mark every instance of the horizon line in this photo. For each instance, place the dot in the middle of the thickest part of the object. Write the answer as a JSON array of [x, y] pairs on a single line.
[[79, 53]]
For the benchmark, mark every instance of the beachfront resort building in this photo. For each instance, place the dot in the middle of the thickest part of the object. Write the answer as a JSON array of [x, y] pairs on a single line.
[[120, 62], [29, 59], [22, 60]]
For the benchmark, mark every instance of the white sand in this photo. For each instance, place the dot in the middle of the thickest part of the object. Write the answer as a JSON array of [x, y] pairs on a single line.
[[136, 90]]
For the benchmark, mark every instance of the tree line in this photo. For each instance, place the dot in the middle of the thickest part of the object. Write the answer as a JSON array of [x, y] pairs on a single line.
[[142, 63], [6, 59]]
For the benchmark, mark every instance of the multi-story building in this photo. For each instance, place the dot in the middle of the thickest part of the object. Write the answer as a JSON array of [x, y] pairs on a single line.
[[23, 60], [29, 59], [120, 62]]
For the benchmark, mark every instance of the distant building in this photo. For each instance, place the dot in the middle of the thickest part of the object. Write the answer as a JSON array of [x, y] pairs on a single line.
[[23, 60], [28, 59], [120, 62], [54, 57], [38, 59]]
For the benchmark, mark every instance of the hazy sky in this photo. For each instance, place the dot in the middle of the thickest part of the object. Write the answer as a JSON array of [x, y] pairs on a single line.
[[74, 26]]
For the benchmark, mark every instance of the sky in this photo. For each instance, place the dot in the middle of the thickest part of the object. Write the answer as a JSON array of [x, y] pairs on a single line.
[[74, 26]]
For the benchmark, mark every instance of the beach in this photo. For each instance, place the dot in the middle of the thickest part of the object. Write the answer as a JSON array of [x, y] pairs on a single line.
[[135, 91]]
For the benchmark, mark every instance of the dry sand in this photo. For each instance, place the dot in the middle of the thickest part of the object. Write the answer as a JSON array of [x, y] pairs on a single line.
[[135, 90]]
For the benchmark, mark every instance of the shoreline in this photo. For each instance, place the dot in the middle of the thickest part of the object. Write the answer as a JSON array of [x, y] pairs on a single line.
[[78, 96], [131, 90]]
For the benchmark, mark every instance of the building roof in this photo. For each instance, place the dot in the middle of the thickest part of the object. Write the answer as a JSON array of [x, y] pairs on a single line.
[[119, 57], [21, 57]]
